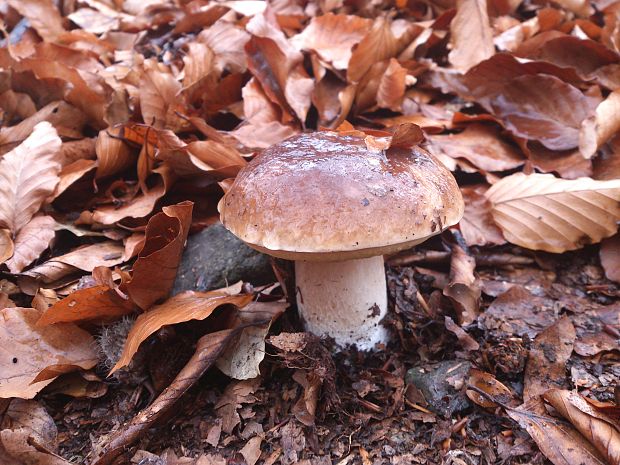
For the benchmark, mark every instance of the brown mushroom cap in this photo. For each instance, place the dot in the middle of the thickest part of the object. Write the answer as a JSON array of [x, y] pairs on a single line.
[[326, 197]]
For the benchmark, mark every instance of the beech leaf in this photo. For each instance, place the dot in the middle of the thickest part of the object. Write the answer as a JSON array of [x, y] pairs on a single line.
[[472, 36], [542, 212], [28, 175]]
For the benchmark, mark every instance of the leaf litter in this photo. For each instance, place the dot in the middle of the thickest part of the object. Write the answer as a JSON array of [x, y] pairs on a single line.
[[121, 123]]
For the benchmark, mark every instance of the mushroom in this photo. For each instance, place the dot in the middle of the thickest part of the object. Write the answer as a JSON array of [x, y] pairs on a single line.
[[335, 206]]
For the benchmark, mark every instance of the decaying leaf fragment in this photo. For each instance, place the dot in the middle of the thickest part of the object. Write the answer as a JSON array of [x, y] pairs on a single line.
[[542, 212], [464, 289]]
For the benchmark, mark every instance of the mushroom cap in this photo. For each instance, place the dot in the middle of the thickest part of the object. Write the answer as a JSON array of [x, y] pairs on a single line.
[[327, 197]]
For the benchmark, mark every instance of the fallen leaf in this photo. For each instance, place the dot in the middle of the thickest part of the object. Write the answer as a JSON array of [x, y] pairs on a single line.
[[596, 427], [598, 128], [251, 451], [28, 175], [465, 340], [332, 37], [160, 98], [479, 144], [43, 15], [182, 307], [242, 358], [31, 241], [542, 212], [497, 392], [28, 435], [593, 344], [610, 257], [29, 350], [557, 440], [155, 269], [227, 42], [305, 407], [463, 289], [234, 396], [113, 155], [471, 35], [546, 364], [477, 224], [6, 245]]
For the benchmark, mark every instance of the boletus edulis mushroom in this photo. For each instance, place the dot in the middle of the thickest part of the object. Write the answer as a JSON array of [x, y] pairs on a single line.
[[335, 205]]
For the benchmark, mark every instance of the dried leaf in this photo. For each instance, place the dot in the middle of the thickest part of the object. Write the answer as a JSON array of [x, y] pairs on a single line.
[[598, 128], [496, 391], [332, 37], [251, 451], [155, 269], [464, 288], [227, 42], [29, 350], [113, 155], [305, 407], [477, 224], [610, 257], [182, 307], [31, 241], [6, 245], [546, 365], [596, 427], [542, 212], [559, 441], [28, 435], [42, 15], [479, 144], [472, 36], [28, 175]]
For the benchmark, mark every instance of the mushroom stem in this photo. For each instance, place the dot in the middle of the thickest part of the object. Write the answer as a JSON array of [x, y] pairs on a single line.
[[345, 300]]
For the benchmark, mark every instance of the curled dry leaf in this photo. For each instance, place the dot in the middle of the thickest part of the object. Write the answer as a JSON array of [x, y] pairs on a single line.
[[305, 407], [182, 307], [465, 340], [28, 434], [546, 365], [610, 257], [31, 241], [600, 430], [28, 350], [598, 128], [6, 245], [28, 175], [155, 269], [477, 224], [542, 212], [559, 441], [113, 154], [160, 97], [479, 144], [227, 42], [464, 288], [472, 36]]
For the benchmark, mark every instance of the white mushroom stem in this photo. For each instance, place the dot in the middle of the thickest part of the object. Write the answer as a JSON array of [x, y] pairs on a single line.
[[344, 300]]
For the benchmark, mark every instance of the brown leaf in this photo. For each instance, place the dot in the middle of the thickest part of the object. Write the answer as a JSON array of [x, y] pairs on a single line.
[[595, 426], [98, 303], [479, 144], [72, 173], [28, 435], [6, 245], [477, 224], [546, 365], [595, 343], [14, 134], [333, 37], [598, 128], [199, 63], [227, 42], [559, 441], [610, 257], [542, 212], [305, 407], [235, 395], [31, 241], [543, 108], [486, 382], [251, 451], [28, 175], [472, 36], [464, 288], [113, 155], [392, 85], [182, 307], [155, 269], [30, 349], [384, 40], [42, 15], [160, 98]]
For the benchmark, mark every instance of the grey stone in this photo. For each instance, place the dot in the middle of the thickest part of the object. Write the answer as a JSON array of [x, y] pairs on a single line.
[[214, 258], [441, 385]]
